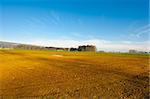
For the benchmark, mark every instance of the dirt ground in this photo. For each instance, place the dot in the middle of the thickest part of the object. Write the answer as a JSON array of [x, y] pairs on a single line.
[[31, 74]]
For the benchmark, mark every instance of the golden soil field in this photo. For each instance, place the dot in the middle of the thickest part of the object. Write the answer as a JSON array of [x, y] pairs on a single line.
[[31, 74]]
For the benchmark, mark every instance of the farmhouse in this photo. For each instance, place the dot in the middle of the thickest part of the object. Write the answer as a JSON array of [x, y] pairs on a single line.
[[139, 52], [133, 51], [87, 48], [73, 49], [90, 48]]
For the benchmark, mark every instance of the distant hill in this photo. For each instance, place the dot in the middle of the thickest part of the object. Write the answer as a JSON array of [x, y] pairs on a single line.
[[11, 45], [18, 45], [8, 44], [29, 46]]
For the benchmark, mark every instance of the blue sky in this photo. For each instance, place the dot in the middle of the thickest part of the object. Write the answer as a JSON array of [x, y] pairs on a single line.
[[108, 24]]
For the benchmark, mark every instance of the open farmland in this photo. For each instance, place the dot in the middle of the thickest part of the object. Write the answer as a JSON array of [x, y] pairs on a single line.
[[27, 73]]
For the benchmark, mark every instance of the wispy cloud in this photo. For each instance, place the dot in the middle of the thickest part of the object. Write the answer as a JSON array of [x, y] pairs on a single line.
[[140, 32], [54, 17], [144, 30], [39, 21]]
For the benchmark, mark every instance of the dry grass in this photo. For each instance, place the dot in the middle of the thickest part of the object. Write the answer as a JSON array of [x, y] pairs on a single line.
[[72, 74]]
